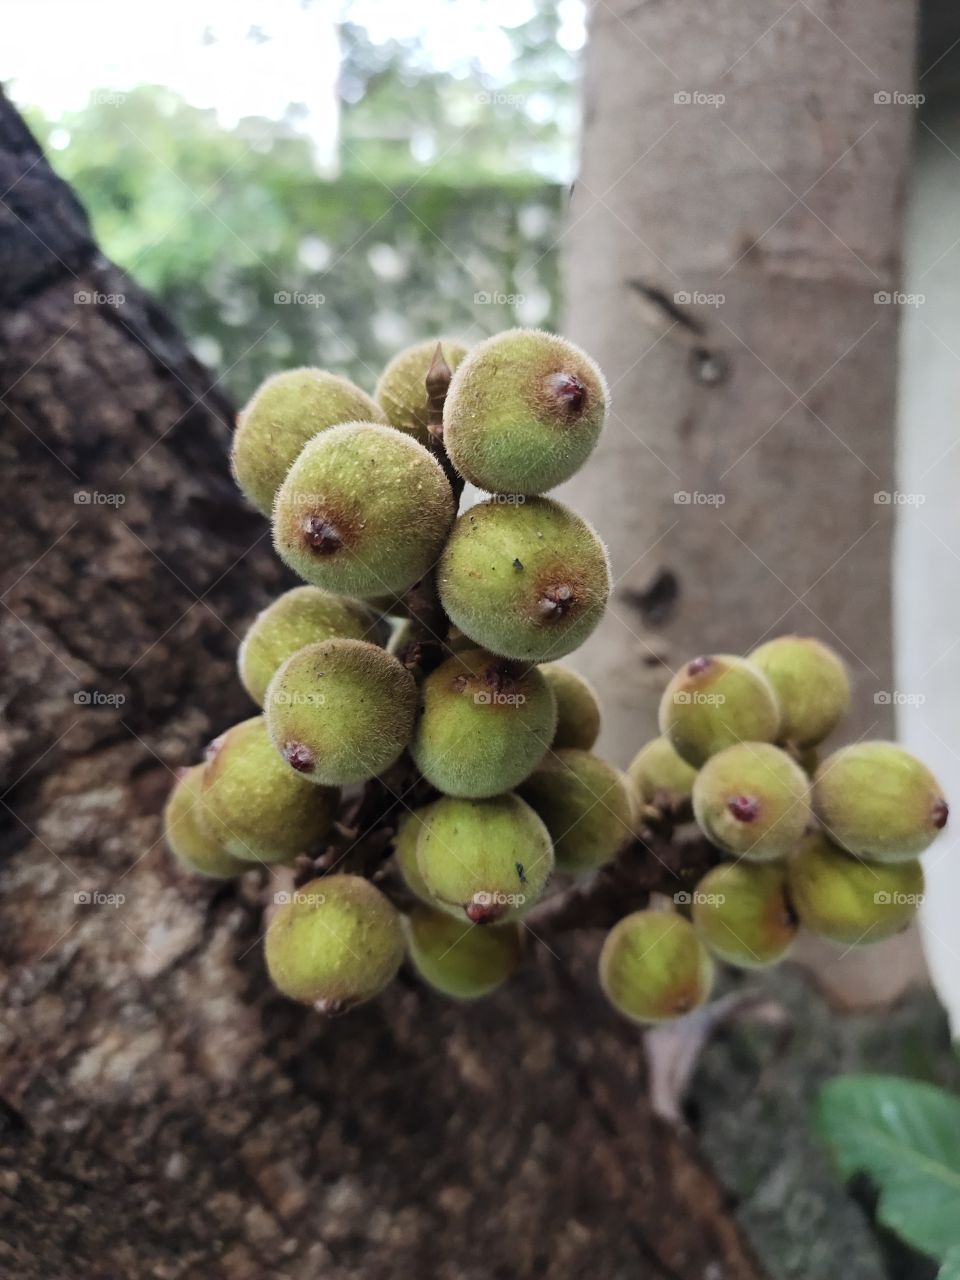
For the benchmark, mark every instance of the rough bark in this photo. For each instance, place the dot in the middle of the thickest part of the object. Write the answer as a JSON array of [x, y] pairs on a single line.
[[737, 212], [164, 1113]]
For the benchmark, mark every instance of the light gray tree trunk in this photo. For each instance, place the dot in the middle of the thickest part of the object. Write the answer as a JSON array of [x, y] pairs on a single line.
[[737, 212], [735, 236]]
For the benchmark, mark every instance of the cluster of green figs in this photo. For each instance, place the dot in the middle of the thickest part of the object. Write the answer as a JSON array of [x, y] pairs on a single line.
[[363, 495]]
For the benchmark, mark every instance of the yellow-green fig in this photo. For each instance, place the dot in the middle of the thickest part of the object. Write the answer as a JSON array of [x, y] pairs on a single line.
[[742, 912], [285, 412], [528, 580], [336, 943], [409, 825], [458, 958], [654, 968], [523, 412], [484, 725], [811, 684], [879, 801], [715, 701], [254, 806], [578, 708], [661, 777], [187, 838], [363, 511], [752, 801], [305, 615], [847, 900], [340, 711], [586, 806], [402, 389], [487, 859]]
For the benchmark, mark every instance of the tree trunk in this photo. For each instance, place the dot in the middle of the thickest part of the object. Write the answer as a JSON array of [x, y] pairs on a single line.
[[164, 1113], [736, 225]]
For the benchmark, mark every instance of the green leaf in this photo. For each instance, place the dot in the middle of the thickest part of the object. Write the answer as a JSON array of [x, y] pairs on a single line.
[[905, 1136]]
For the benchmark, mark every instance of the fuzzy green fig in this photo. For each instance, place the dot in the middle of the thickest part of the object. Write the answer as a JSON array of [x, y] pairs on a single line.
[[286, 411], [487, 859], [715, 701], [484, 725], [456, 957], [363, 511], [847, 900], [654, 968], [586, 806], [340, 711], [187, 838], [879, 801], [409, 825], [578, 709], [752, 801], [525, 579], [402, 389], [256, 807], [336, 943], [661, 777], [811, 684], [305, 615], [742, 912], [523, 412]]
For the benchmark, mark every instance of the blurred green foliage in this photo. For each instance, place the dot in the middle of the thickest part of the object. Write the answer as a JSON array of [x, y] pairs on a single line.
[[442, 216]]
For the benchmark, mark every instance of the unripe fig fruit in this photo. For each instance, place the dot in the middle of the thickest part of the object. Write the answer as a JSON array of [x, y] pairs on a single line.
[[363, 511], [840, 897], [743, 914], [713, 702], [654, 968], [523, 412], [487, 859], [752, 801], [337, 943], [811, 684], [586, 806], [305, 615], [409, 826], [485, 724], [340, 711], [257, 808], [527, 580], [879, 801], [286, 411], [660, 776], [402, 389], [185, 836], [578, 710], [457, 958]]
